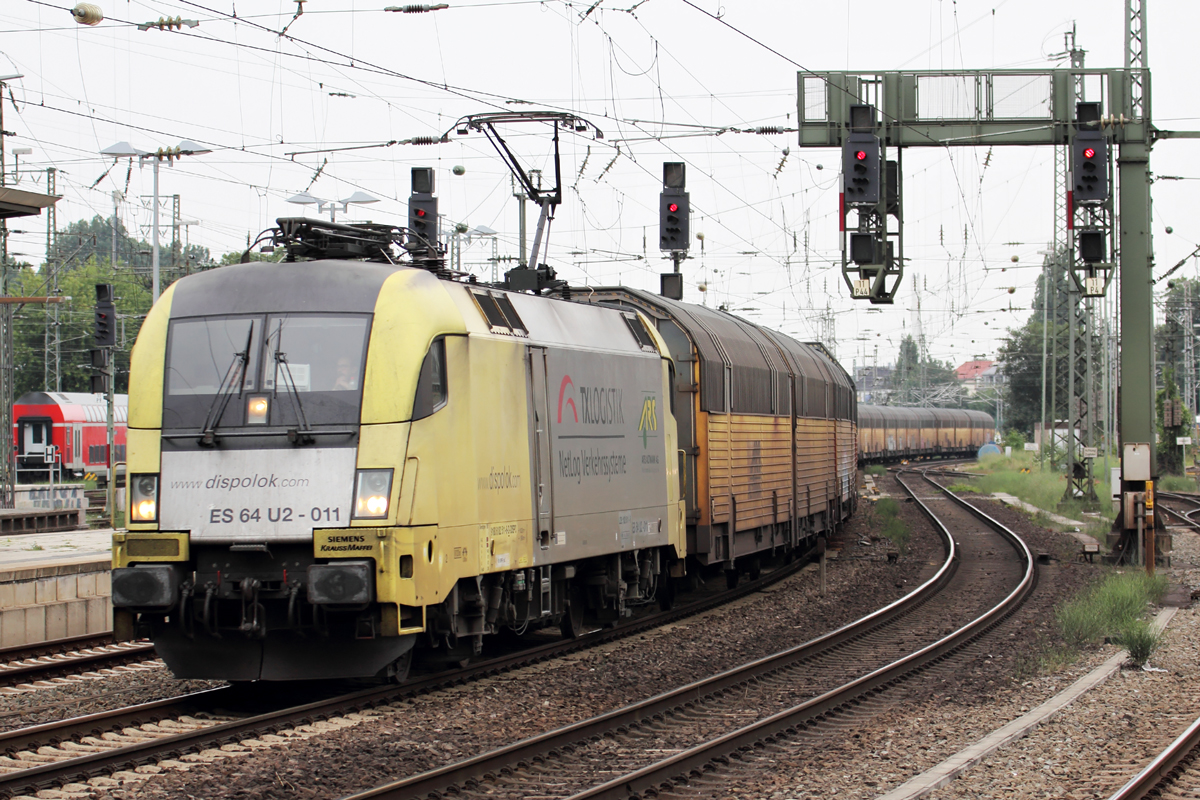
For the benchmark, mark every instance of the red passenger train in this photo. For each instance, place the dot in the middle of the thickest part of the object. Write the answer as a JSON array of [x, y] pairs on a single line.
[[68, 429]]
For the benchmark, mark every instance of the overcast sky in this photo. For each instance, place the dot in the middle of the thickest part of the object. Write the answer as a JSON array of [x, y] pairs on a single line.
[[663, 79]]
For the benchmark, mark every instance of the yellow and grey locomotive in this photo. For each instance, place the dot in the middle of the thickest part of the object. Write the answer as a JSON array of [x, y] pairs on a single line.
[[333, 462]]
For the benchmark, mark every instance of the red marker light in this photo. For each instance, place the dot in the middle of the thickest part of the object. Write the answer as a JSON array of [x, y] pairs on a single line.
[[673, 208], [1089, 153], [420, 212], [861, 155]]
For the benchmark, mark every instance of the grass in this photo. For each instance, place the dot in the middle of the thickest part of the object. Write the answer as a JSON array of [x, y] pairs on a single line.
[[875, 469], [1110, 608], [1176, 483], [1140, 639], [962, 487], [885, 513], [1042, 489]]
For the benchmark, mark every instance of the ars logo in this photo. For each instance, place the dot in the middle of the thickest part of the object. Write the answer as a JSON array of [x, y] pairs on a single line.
[[562, 392], [649, 420]]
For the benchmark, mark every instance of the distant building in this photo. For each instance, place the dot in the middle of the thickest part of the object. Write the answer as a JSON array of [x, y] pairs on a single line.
[[979, 374]]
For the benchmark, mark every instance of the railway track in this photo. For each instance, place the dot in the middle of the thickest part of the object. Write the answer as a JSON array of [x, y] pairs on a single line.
[[688, 742], [1174, 773], [74, 750], [1188, 515], [70, 656]]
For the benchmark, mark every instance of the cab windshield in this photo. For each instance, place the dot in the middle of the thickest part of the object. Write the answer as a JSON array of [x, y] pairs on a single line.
[[304, 363]]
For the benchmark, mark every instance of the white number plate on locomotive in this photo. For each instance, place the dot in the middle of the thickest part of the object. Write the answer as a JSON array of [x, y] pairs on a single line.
[[256, 495]]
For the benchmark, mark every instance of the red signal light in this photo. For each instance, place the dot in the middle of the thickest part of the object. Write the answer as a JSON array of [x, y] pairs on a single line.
[[673, 207], [861, 155], [420, 212], [1089, 153]]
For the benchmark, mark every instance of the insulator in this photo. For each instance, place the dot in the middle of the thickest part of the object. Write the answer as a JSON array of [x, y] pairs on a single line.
[[767, 129], [87, 14], [425, 140]]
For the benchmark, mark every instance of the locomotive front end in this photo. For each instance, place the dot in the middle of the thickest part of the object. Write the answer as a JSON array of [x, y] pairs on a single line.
[[258, 498]]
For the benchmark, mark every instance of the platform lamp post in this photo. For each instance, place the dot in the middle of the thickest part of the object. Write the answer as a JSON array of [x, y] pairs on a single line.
[[126, 150], [306, 199]]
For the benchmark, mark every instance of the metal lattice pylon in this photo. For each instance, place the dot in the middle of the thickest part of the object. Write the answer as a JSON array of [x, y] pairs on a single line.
[[1136, 57]]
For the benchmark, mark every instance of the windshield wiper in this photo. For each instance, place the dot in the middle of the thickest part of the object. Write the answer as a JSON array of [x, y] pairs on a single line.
[[303, 434], [236, 371]]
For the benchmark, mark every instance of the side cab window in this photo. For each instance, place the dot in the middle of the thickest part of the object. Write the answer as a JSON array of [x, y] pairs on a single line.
[[431, 385]]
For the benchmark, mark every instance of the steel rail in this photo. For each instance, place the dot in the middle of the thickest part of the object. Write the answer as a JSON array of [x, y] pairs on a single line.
[[29, 781], [454, 777], [673, 770], [73, 664], [1186, 516], [1159, 772], [54, 646]]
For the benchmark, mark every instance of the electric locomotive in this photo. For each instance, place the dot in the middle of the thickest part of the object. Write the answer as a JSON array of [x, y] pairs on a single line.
[[333, 462]]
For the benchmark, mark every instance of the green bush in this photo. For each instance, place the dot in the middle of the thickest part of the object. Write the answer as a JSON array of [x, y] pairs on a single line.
[[1045, 490], [897, 533], [1176, 483], [1079, 623], [887, 507], [1109, 608], [1140, 639], [875, 469]]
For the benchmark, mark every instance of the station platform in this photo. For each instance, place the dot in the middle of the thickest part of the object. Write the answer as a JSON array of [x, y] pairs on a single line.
[[54, 585]]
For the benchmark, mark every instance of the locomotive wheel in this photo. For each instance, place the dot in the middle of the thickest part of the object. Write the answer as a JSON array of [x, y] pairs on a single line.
[[572, 621], [400, 667]]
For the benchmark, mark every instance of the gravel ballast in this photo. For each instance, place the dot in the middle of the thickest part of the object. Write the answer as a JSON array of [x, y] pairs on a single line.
[[1088, 756]]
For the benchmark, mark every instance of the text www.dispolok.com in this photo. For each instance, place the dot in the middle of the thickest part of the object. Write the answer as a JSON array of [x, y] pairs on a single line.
[[230, 483]]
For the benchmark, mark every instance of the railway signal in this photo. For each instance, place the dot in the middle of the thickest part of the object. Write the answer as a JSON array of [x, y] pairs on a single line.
[[872, 249], [674, 208], [1089, 167], [106, 315], [860, 169], [423, 210], [674, 218]]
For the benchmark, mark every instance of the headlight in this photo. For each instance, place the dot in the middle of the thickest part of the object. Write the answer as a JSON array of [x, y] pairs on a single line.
[[256, 409], [143, 498], [372, 493]]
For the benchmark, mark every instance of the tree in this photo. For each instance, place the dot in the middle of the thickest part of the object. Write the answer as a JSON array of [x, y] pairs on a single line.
[[1021, 358], [1170, 455], [1170, 338], [33, 325], [91, 240], [1021, 354]]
